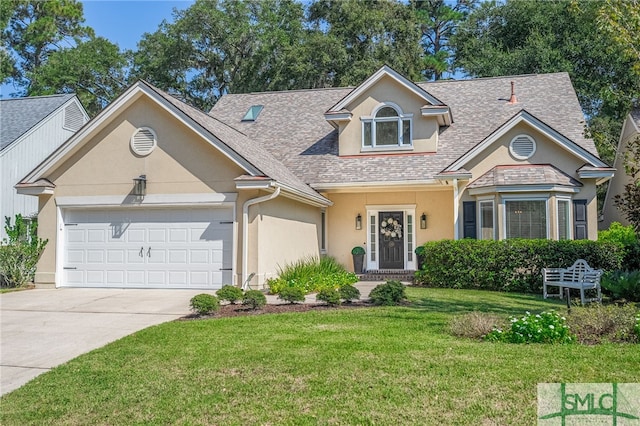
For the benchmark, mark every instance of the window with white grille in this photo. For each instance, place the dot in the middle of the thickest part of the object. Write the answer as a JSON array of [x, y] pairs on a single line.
[[522, 147], [143, 141]]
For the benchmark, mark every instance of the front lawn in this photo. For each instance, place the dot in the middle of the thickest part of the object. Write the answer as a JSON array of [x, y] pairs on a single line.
[[395, 365]]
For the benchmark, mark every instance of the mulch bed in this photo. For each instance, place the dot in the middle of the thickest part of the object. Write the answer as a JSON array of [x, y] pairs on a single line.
[[240, 310]]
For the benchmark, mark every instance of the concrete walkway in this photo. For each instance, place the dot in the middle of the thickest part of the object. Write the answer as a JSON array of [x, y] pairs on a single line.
[[40, 329]]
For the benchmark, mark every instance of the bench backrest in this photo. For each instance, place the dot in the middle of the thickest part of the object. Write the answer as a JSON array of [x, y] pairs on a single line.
[[579, 269]]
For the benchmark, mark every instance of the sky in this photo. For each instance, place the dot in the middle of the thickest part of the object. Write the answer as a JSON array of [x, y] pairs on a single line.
[[123, 22]]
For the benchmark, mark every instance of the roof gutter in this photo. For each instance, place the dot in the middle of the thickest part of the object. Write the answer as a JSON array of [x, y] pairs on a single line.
[[245, 226]]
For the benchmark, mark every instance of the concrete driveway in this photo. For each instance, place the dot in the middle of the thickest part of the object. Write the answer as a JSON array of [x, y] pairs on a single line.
[[40, 329]]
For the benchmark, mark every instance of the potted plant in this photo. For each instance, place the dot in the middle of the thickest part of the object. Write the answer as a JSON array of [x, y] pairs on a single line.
[[358, 259]]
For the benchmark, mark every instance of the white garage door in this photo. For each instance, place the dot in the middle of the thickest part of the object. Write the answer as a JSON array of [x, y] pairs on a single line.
[[150, 248]]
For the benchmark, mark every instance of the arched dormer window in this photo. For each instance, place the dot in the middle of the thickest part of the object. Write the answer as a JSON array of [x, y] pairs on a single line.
[[388, 127]]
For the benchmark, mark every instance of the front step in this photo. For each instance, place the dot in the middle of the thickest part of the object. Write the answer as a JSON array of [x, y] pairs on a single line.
[[384, 275]]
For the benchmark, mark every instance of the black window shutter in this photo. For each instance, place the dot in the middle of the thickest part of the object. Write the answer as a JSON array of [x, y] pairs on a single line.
[[469, 219], [579, 219]]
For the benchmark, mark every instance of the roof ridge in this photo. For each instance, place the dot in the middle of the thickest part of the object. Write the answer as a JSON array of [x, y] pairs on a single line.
[[497, 77], [24, 98]]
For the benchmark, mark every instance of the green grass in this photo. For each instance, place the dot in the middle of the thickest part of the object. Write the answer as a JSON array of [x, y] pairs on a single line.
[[395, 365]]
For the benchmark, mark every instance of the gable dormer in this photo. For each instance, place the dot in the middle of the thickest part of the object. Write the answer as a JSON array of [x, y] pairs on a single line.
[[388, 114]]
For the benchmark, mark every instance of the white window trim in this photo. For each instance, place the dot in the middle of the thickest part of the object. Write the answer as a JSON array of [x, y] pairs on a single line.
[[503, 211], [324, 227], [491, 200], [569, 213], [408, 210], [373, 120]]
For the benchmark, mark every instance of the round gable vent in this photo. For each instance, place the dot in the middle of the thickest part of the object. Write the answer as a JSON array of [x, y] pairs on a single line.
[[143, 141], [522, 147]]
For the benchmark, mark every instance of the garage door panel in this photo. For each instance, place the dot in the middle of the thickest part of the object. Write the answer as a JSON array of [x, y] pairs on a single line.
[[153, 248]]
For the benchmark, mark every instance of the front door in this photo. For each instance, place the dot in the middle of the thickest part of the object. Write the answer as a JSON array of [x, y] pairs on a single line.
[[391, 239]]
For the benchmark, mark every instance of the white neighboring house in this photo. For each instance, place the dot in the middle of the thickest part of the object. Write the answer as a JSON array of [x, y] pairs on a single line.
[[30, 130]]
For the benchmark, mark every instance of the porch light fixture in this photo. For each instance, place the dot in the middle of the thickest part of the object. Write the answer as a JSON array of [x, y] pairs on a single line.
[[423, 221], [359, 222], [140, 186]]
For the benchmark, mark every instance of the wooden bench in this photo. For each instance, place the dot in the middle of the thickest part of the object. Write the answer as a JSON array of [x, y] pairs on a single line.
[[579, 276]]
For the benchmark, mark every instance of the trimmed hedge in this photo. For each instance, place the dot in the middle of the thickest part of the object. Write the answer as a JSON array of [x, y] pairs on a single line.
[[508, 265]]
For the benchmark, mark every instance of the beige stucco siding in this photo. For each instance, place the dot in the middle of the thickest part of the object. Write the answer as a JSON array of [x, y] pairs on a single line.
[[105, 165], [283, 231], [547, 152], [425, 129], [437, 204], [616, 185]]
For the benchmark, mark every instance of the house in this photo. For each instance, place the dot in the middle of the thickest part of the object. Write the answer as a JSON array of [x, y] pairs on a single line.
[[153, 193], [31, 129], [630, 131]]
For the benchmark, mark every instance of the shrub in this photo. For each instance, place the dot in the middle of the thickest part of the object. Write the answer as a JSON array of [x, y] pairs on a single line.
[[20, 252], [349, 293], [357, 250], [546, 327], [291, 295], [596, 323], [230, 293], [312, 275], [204, 304], [389, 293], [622, 285], [254, 298], [508, 265], [636, 328], [329, 296], [618, 234], [475, 325]]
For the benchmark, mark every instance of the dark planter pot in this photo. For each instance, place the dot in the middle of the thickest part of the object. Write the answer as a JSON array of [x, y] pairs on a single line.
[[358, 263], [420, 259]]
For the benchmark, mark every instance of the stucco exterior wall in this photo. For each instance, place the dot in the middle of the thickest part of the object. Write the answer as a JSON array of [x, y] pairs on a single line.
[[425, 129], [181, 163], [284, 231], [616, 185], [547, 152], [436, 203]]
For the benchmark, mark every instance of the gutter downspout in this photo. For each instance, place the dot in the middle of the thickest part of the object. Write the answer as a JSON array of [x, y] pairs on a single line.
[[456, 232], [245, 226]]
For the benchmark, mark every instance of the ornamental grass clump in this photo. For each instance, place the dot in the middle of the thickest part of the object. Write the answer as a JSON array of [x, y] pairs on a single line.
[[312, 275], [545, 327]]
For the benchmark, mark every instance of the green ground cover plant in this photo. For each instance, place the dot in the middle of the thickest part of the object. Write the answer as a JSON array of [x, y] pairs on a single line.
[[545, 327], [379, 365], [312, 275]]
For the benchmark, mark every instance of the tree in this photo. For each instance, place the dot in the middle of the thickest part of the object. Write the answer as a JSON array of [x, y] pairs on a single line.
[[527, 36], [629, 201], [34, 29], [95, 70], [438, 21], [621, 20], [369, 35], [224, 45]]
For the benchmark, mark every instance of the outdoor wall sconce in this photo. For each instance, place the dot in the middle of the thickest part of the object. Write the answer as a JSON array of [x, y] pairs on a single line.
[[423, 221], [359, 222], [140, 186]]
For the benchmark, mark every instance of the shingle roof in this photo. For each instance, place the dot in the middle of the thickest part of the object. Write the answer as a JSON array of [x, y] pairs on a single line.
[[18, 115], [534, 174], [253, 153], [293, 128]]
